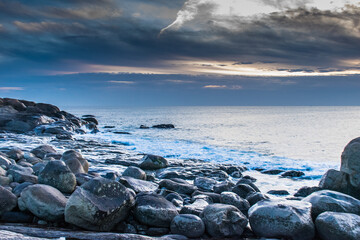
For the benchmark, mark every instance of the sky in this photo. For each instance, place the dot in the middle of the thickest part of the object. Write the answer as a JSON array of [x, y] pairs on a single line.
[[180, 52]]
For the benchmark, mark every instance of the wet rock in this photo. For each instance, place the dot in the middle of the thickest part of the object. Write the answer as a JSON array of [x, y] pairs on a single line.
[[175, 199], [205, 184], [232, 198], [43, 201], [188, 225], [144, 127], [326, 200], [21, 174], [138, 185], [152, 162], [15, 154], [154, 210], [223, 220], [272, 171], [350, 163], [82, 178], [4, 181], [293, 174], [19, 188], [8, 201], [338, 226], [243, 190], [214, 196], [248, 181], [164, 126], [2, 172], [134, 172], [38, 167], [5, 162], [182, 188], [223, 187], [75, 161], [256, 197], [279, 192], [282, 219], [156, 231], [196, 208], [91, 119], [58, 175], [99, 205], [17, 217], [42, 150], [15, 103], [306, 191]]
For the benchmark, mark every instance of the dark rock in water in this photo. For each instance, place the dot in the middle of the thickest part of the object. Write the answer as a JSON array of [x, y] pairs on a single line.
[[58, 175], [282, 219], [125, 133], [42, 150], [338, 226], [15, 103], [279, 192], [154, 210], [232, 198], [164, 126], [272, 171], [64, 136], [99, 205], [204, 183], [75, 161], [223, 220], [91, 120], [350, 163], [17, 217], [19, 188], [249, 182], [196, 208], [188, 225], [48, 109], [326, 200], [144, 127], [138, 185], [306, 191], [256, 197], [153, 162], [243, 190], [293, 174], [109, 127], [236, 174], [43, 201], [88, 116], [182, 188], [8, 201], [134, 172]]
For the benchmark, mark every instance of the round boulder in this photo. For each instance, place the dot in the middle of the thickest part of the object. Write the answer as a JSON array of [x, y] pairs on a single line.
[[99, 205], [43, 201], [282, 219], [232, 198], [338, 226], [153, 162], [58, 175], [326, 200], [188, 225], [134, 172], [154, 210], [223, 220], [8, 200], [350, 161], [75, 161], [42, 150]]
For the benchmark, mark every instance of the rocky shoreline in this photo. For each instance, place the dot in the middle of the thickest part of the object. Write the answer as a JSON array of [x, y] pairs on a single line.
[[59, 190]]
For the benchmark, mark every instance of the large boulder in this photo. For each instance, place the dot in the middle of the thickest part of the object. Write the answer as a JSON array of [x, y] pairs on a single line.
[[99, 205], [138, 185], [153, 162], [8, 200], [22, 174], [232, 198], [75, 161], [350, 161], [58, 175], [188, 225], [326, 200], [196, 208], [43, 201], [338, 226], [205, 184], [338, 181], [282, 219], [223, 220], [154, 210], [181, 187], [42, 150]]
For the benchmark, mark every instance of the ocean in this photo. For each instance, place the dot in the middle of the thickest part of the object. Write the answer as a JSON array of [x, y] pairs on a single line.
[[309, 139]]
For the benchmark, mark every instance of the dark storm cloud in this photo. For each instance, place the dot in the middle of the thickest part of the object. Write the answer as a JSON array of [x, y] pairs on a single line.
[[106, 33]]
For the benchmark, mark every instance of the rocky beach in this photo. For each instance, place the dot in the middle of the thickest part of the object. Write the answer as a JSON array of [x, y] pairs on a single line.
[[57, 185]]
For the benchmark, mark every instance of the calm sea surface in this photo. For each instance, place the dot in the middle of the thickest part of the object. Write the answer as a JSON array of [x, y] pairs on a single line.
[[310, 139]]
